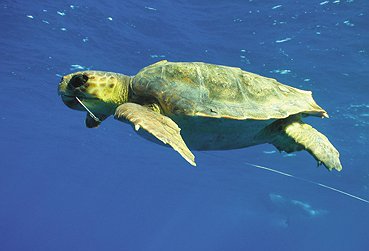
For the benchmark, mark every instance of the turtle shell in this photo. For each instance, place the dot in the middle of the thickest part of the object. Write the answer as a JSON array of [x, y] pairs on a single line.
[[200, 89]]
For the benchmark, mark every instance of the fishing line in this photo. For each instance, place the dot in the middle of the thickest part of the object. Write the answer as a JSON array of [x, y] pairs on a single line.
[[309, 181], [88, 110], [304, 180]]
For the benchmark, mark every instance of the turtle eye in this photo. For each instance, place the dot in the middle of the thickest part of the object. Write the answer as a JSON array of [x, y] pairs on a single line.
[[78, 80]]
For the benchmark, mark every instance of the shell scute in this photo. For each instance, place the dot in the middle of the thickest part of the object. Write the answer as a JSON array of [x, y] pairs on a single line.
[[200, 89]]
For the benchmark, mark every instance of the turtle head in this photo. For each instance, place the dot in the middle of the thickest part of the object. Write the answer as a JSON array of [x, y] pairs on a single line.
[[99, 93]]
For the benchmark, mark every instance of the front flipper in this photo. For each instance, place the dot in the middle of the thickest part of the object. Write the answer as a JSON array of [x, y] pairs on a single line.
[[162, 127], [292, 135]]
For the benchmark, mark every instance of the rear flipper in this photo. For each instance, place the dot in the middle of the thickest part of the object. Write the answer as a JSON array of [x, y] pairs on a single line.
[[292, 135]]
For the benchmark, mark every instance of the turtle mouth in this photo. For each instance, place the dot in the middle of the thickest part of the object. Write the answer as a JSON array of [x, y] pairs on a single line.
[[75, 93], [76, 103], [82, 97], [71, 100], [69, 95]]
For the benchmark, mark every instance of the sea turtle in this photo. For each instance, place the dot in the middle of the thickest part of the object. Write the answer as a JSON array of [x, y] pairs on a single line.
[[202, 107]]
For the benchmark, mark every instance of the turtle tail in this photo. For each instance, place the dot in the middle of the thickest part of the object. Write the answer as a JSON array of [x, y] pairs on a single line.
[[291, 134]]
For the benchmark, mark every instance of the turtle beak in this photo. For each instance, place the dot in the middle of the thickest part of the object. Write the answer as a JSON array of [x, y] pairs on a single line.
[[68, 92]]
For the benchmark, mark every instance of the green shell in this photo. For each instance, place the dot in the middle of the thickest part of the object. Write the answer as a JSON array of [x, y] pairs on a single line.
[[200, 89]]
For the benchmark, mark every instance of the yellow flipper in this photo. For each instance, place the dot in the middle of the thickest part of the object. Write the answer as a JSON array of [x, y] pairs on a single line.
[[162, 127], [291, 134], [315, 143]]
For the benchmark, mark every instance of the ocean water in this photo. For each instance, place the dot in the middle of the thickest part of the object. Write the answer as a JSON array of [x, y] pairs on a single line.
[[66, 187]]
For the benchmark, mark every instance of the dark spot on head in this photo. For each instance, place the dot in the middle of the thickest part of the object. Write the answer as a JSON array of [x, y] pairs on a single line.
[[78, 80], [111, 85]]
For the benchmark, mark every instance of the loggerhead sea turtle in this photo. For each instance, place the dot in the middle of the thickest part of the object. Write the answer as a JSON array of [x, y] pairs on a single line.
[[202, 107]]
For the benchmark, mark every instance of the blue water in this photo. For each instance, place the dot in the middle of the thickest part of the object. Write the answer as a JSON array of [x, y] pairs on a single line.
[[66, 187]]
